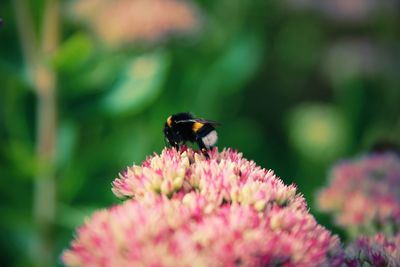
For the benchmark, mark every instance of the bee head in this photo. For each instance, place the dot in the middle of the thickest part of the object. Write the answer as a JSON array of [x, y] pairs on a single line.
[[174, 127], [169, 122], [169, 136]]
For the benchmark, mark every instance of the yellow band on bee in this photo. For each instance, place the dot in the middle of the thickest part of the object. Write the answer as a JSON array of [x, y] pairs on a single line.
[[169, 121], [197, 126]]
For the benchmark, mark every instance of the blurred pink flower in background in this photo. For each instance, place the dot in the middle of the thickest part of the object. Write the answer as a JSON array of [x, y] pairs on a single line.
[[353, 10], [364, 194], [347, 10], [356, 57], [120, 22], [186, 210], [378, 251]]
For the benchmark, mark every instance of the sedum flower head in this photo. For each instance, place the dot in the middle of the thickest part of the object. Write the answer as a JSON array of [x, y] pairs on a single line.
[[186, 210], [364, 193], [225, 177]]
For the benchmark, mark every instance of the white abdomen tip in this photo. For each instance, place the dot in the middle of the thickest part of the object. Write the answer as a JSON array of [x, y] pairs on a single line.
[[210, 139]]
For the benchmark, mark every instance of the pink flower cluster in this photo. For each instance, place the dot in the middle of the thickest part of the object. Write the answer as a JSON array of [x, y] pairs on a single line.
[[226, 177], [186, 210], [377, 251], [364, 194], [121, 22]]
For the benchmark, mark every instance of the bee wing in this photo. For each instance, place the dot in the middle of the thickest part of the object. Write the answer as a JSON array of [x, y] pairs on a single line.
[[185, 121], [213, 123]]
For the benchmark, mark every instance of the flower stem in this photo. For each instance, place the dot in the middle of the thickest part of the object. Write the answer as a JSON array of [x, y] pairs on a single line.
[[44, 83]]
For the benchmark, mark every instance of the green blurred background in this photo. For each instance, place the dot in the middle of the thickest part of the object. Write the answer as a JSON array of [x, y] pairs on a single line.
[[85, 90]]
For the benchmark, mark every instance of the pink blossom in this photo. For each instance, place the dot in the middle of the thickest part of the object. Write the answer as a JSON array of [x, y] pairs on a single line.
[[187, 210], [364, 193], [344, 10], [120, 22], [226, 177], [164, 232], [378, 251]]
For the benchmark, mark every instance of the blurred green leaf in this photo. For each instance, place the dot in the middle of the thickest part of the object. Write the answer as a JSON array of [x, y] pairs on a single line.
[[102, 73], [96, 76], [229, 72], [23, 159], [237, 64], [71, 181], [298, 44], [66, 140], [73, 53], [139, 84], [248, 140], [71, 217]]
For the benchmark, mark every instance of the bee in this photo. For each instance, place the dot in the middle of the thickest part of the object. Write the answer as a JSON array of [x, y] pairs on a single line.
[[184, 127]]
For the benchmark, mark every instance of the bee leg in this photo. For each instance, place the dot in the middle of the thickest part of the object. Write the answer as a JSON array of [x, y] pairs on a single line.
[[205, 153], [202, 147], [177, 146], [167, 143]]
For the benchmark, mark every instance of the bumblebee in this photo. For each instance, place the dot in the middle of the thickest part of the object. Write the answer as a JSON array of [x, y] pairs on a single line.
[[184, 127]]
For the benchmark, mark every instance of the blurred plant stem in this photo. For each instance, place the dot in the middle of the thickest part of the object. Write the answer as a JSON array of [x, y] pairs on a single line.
[[44, 81]]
